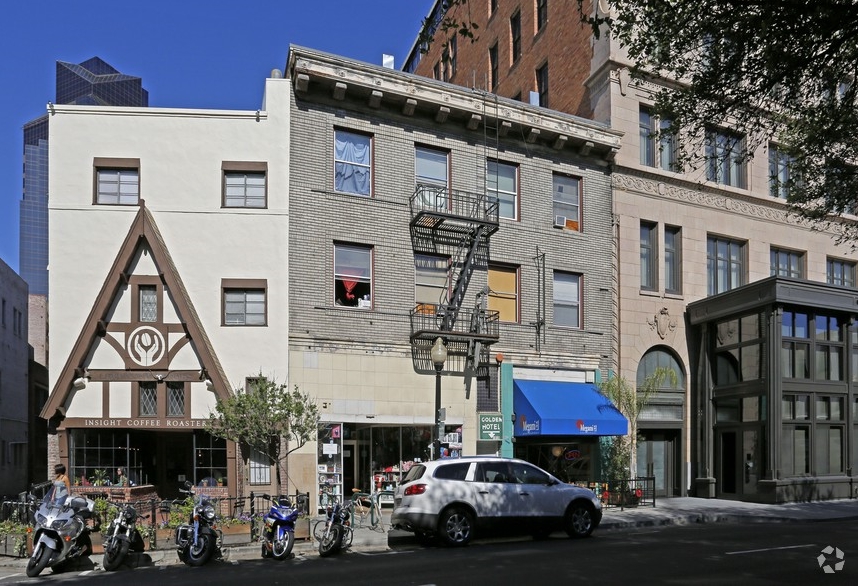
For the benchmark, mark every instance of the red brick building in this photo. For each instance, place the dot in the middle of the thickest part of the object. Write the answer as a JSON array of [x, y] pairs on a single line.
[[520, 47]]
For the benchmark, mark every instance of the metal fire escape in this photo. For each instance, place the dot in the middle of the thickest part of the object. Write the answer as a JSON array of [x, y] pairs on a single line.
[[457, 224]]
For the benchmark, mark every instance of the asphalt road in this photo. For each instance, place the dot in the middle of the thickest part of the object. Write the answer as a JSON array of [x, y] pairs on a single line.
[[779, 553]]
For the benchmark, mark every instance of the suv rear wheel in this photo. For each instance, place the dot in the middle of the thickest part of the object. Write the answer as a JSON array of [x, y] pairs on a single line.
[[456, 527], [579, 519]]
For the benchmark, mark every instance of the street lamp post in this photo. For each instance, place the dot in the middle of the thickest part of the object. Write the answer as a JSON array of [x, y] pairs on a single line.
[[439, 357]]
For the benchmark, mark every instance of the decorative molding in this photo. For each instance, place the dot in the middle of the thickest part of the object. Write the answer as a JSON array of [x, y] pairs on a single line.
[[729, 203]]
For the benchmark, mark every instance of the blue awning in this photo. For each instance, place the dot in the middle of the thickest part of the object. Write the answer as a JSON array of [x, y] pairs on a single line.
[[563, 408]]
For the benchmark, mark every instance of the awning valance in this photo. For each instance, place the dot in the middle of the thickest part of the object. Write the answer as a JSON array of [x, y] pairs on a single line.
[[564, 408]]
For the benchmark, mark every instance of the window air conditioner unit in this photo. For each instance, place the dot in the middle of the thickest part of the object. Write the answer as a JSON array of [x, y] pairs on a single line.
[[559, 221]]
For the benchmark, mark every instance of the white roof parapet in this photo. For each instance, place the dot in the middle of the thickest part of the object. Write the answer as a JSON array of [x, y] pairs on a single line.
[[438, 96]]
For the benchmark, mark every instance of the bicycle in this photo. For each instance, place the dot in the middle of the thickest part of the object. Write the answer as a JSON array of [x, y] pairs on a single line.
[[367, 507]]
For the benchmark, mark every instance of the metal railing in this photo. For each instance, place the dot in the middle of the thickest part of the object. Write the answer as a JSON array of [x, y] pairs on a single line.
[[156, 514], [626, 492]]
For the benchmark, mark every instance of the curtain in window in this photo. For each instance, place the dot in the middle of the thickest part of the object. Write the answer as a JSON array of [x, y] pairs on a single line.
[[352, 155]]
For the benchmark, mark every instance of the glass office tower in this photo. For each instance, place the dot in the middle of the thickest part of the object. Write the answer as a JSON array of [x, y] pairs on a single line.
[[92, 82]]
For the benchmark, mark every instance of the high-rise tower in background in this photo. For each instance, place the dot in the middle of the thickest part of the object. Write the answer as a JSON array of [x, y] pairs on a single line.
[[92, 82]]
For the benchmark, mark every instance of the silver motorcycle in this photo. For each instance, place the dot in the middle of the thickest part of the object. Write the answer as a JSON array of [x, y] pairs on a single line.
[[60, 533]]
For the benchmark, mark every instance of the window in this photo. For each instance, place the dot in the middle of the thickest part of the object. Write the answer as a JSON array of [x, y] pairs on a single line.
[[826, 348], [657, 143], [503, 292], [17, 322], [352, 163], [672, 259], [542, 85], [210, 460], [795, 345], [493, 67], [244, 302], [436, 71], [724, 155], [725, 264], [779, 172], [739, 349], [148, 303], [148, 404], [353, 275], [493, 6], [453, 54], [260, 467], [541, 14], [567, 201], [840, 272], [787, 263], [430, 285], [567, 299], [117, 181], [502, 182], [244, 184], [175, 399], [3, 313], [515, 36], [649, 260], [431, 175]]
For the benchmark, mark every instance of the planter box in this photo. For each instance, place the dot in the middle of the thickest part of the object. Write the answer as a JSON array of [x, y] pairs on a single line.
[[302, 529], [236, 534], [10, 544]]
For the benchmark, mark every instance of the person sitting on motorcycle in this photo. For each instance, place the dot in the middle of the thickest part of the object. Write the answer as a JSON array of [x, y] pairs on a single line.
[[62, 485]]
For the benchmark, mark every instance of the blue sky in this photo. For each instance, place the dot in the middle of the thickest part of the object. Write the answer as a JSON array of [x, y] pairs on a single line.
[[189, 53]]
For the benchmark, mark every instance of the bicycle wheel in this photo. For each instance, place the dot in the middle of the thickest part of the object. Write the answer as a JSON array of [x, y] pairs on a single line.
[[319, 529], [377, 517]]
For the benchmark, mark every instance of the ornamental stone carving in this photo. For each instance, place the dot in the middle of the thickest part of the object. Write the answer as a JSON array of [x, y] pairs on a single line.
[[662, 323]]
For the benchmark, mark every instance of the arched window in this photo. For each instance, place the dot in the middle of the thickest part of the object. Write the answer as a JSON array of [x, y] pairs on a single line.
[[660, 357]]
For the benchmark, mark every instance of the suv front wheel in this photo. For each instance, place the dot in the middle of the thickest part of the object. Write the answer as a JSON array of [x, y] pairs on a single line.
[[579, 519], [456, 527]]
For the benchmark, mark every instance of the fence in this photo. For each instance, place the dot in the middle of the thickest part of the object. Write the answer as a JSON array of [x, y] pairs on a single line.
[[626, 492], [157, 514]]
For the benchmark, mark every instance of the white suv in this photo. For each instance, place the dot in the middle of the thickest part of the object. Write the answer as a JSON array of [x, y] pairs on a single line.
[[453, 499]]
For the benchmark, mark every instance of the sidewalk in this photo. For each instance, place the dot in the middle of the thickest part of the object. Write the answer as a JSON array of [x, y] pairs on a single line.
[[669, 511]]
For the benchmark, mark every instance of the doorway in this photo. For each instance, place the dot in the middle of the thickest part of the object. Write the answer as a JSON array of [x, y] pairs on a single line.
[[349, 467], [657, 458], [727, 463]]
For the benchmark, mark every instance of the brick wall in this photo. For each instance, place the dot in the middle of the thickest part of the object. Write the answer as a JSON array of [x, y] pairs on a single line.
[[563, 43]]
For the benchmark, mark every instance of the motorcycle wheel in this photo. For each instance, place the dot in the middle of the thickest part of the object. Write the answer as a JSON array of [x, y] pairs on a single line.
[[330, 543], [281, 548], [199, 553], [39, 560], [114, 554]]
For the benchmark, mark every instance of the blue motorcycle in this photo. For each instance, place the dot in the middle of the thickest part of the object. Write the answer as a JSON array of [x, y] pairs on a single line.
[[278, 533]]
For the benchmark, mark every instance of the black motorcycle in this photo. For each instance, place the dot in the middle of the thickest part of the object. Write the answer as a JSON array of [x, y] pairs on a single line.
[[121, 537], [337, 533], [198, 539]]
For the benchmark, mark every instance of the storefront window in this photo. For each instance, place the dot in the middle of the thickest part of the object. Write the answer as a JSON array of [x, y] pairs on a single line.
[[210, 460], [95, 456], [569, 461]]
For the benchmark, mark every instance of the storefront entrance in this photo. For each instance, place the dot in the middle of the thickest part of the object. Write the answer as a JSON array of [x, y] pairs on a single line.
[[657, 457]]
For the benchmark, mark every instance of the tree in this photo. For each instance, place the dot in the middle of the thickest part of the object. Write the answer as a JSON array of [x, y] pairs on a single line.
[[267, 418], [630, 401], [773, 71]]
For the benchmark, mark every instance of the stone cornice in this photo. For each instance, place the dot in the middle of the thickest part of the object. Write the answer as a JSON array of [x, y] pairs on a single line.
[[377, 84]]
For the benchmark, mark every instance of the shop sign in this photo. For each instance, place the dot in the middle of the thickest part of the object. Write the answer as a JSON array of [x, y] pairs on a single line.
[[491, 426], [144, 423]]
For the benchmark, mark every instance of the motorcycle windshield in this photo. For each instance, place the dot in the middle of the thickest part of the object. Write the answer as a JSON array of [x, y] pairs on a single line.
[[56, 496]]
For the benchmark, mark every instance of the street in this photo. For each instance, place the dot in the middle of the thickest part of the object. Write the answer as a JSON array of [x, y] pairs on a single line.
[[777, 553]]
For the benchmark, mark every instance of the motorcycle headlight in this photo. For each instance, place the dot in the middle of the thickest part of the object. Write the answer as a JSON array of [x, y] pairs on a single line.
[[40, 519], [209, 512], [60, 523], [130, 515]]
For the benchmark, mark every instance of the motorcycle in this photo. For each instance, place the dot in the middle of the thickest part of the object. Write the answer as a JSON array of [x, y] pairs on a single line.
[[337, 534], [198, 539], [121, 537], [60, 532], [278, 534]]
